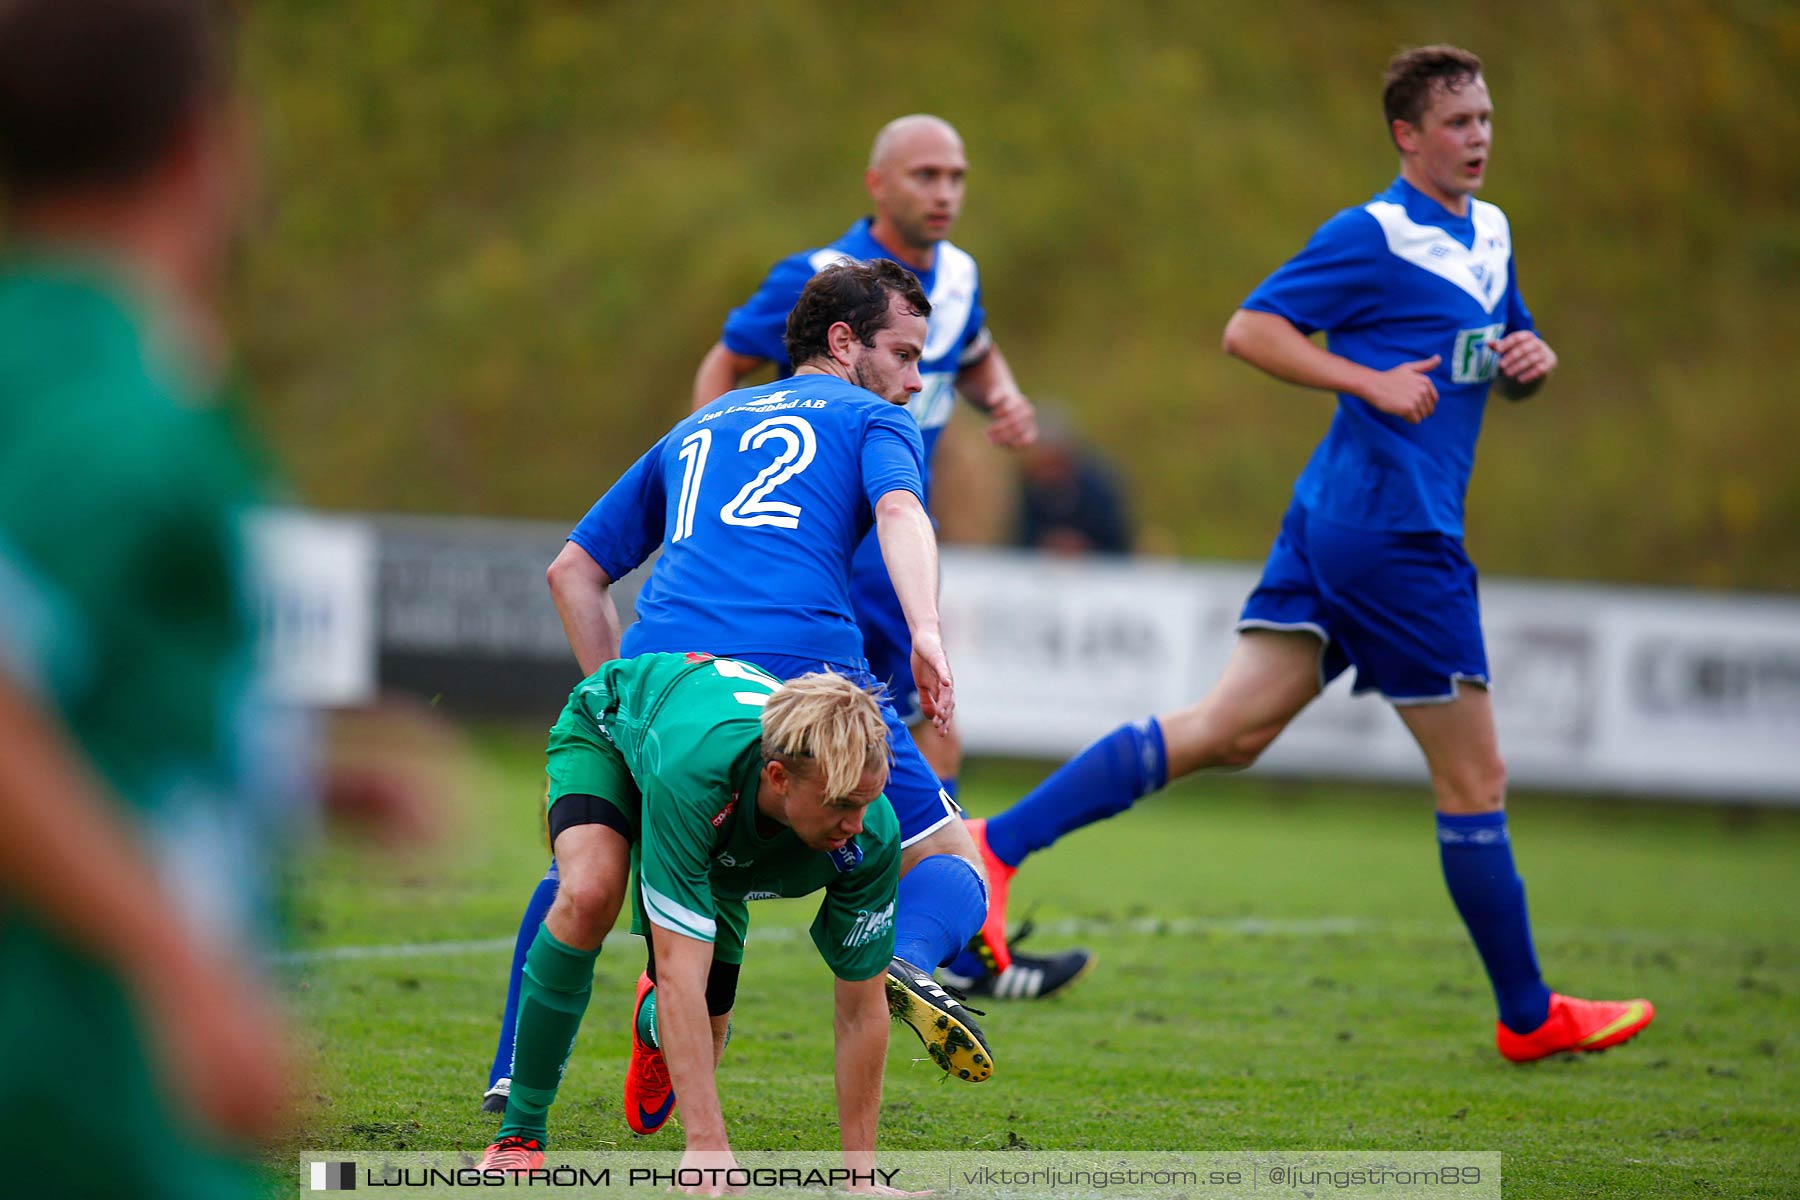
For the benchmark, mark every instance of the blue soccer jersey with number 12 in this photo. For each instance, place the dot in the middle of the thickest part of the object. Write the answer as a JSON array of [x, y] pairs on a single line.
[[758, 501]]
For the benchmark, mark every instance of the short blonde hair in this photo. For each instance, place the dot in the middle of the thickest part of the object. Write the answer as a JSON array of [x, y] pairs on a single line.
[[825, 723]]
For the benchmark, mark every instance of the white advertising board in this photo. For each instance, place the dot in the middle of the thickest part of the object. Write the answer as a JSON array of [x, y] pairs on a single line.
[[315, 594], [1641, 690]]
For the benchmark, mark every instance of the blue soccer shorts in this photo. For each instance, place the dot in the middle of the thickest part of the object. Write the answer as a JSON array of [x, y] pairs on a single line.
[[919, 799], [1402, 608]]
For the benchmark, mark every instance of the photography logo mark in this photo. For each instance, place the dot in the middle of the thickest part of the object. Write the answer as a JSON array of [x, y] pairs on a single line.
[[333, 1177]]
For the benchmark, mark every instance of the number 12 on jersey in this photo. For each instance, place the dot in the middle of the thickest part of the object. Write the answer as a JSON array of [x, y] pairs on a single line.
[[795, 446]]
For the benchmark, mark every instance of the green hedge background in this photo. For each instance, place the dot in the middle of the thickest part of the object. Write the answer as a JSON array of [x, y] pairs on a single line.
[[495, 238]]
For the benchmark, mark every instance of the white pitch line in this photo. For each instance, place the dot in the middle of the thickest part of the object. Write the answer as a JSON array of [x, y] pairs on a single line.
[[1070, 927]]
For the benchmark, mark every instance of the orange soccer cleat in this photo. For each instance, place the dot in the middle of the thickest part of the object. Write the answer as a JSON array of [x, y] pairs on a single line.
[[990, 943], [649, 1096], [513, 1154], [1576, 1026]]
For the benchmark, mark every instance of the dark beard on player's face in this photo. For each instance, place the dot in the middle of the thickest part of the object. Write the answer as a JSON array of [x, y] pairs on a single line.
[[859, 375]]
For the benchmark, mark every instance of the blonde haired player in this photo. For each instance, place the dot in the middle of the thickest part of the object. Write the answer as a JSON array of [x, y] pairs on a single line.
[[708, 782]]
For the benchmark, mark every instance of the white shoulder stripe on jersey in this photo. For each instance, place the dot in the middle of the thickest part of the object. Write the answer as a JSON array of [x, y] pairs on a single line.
[[1480, 271], [828, 257], [676, 917], [952, 299]]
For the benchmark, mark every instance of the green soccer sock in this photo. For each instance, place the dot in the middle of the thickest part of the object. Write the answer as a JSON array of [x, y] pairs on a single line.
[[552, 996], [646, 1021]]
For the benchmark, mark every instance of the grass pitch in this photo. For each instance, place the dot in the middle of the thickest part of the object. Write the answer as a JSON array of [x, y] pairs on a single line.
[[1279, 968]]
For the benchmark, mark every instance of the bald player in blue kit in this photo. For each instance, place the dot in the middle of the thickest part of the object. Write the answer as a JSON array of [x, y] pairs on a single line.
[[915, 181]]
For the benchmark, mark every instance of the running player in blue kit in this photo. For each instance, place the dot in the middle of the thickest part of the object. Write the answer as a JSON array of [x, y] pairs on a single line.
[[758, 502], [1417, 295]]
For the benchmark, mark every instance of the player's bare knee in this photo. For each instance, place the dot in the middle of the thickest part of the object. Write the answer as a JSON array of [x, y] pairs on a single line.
[[589, 906], [1477, 786]]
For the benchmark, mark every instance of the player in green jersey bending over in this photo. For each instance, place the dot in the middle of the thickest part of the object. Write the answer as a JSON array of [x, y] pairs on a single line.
[[714, 783]]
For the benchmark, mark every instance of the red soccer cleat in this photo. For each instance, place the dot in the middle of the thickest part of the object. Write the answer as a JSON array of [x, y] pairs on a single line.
[[649, 1096], [513, 1154], [1576, 1026], [990, 943]]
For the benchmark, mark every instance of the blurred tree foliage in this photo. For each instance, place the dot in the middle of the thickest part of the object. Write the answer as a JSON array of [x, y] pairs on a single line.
[[496, 237]]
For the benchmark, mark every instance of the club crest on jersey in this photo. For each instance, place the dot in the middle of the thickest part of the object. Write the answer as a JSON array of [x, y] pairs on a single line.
[[846, 857]]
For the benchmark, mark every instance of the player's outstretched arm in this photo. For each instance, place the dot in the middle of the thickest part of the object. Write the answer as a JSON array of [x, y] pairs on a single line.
[[70, 858], [909, 548], [861, 1029], [1526, 360], [582, 593], [1275, 345], [861, 1025], [721, 370], [989, 385], [685, 1034]]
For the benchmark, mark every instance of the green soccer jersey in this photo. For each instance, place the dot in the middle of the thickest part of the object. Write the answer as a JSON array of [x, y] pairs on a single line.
[[122, 609], [675, 743]]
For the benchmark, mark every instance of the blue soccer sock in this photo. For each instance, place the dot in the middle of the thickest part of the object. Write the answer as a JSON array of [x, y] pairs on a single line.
[[535, 911], [942, 903], [1105, 779], [1478, 867]]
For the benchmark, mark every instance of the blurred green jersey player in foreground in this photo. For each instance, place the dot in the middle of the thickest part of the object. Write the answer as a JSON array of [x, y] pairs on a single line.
[[709, 783], [137, 1052]]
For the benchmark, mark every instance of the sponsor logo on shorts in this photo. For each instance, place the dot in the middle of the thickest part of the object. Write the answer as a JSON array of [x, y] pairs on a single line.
[[869, 925]]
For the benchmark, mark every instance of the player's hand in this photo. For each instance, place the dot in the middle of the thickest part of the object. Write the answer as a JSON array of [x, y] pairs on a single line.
[[1012, 420], [1525, 358], [931, 674], [713, 1164], [1405, 391]]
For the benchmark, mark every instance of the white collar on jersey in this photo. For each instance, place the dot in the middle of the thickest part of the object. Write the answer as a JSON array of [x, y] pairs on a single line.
[[1479, 270]]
